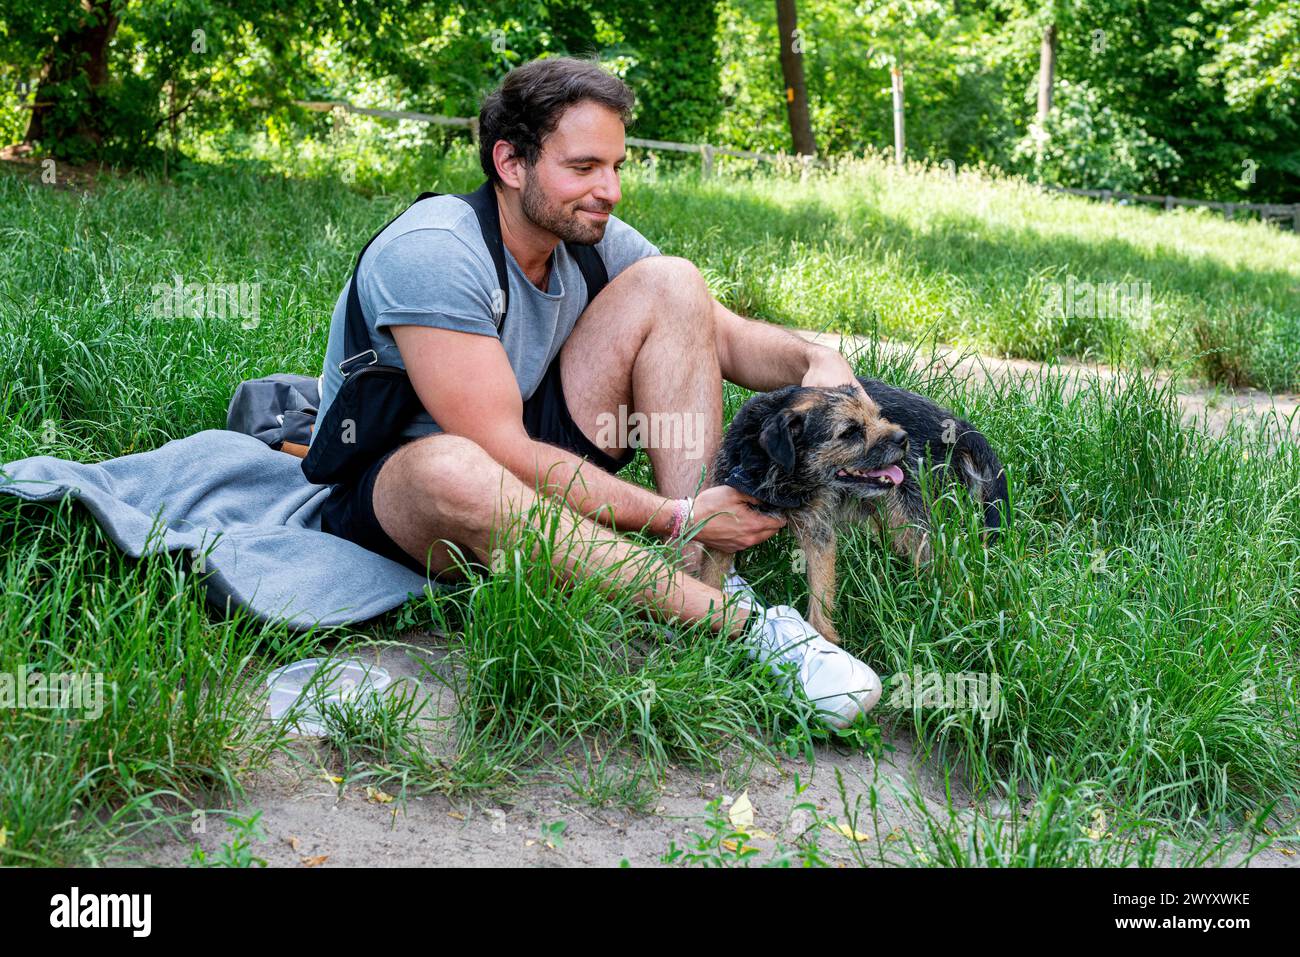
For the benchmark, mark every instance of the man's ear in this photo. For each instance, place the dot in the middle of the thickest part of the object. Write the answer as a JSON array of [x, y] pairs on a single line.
[[778, 438], [508, 164]]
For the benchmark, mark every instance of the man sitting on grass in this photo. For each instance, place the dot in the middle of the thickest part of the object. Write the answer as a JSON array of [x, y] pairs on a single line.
[[510, 410]]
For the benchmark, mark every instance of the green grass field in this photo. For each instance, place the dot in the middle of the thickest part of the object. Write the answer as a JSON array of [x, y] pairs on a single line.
[[1143, 614]]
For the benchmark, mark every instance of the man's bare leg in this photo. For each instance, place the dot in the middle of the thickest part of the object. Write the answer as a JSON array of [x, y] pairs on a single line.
[[447, 487], [647, 343]]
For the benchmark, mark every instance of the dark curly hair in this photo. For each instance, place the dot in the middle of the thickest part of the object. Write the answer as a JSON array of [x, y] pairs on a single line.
[[527, 106]]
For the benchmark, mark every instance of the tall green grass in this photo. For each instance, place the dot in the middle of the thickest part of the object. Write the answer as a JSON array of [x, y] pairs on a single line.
[[176, 722]]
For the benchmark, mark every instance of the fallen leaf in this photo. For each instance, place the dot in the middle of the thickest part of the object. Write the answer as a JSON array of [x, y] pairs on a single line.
[[848, 832], [737, 846], [331, 778], [1098, 829], [1287, 851], [456, 814], [315, 861], [760, 835], [378, 796], [293, 843], [530, 842], [741, 812]]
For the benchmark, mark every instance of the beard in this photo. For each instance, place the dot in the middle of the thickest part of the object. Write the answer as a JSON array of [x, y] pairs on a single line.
[[570, 225]]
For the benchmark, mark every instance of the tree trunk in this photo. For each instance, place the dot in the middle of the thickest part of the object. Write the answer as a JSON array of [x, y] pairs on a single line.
[[1046, 72], [796, 94], [79, 51]]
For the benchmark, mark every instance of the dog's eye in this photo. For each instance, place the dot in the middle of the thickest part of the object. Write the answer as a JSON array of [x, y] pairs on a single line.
[[853, 431]]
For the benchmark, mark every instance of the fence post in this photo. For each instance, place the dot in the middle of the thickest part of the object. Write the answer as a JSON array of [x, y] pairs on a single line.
[[473, 130], [1229, 211], [706, 160], [896, 87], [1169, 202], [1295, 218]]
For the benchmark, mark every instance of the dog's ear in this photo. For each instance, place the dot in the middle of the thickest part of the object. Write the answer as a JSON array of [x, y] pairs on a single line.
[[778, 437]]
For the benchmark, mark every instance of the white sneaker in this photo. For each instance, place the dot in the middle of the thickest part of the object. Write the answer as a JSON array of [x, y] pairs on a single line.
[[735, 585], [840, 686]]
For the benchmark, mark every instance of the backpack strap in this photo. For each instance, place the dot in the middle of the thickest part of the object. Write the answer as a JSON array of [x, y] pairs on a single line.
[[592, 266], [356, 337], [484, 203]]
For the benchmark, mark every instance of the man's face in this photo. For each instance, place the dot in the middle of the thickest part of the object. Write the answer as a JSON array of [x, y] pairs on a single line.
[[573, 187]]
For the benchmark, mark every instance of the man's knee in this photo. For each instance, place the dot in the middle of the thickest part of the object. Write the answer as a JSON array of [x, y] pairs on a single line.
[[680, 296], [453, 476], [669, 276]]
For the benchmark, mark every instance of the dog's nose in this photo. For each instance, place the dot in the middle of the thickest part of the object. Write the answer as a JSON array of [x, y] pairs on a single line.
[[899, 438]]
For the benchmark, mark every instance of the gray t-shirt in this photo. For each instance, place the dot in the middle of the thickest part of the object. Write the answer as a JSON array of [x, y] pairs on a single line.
[[431, 267]]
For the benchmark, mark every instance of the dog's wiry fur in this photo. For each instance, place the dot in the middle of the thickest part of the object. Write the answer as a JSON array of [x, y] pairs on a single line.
[[789, 448]]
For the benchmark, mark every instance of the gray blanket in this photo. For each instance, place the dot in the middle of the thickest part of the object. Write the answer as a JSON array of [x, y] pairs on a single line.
[[251, 504]]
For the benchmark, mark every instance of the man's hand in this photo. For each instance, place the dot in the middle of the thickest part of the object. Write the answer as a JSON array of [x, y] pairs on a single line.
[[732, 525], [830, 369]]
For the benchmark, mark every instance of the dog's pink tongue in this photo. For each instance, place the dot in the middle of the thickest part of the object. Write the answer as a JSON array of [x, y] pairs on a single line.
[[893, 473]]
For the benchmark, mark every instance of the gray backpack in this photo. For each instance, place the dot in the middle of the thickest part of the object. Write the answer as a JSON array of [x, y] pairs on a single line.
[[279, 409]]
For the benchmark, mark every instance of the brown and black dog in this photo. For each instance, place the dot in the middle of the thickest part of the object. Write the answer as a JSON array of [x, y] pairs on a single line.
[[826, 456]]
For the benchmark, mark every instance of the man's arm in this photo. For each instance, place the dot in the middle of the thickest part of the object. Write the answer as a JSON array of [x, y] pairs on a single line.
[[467, 385], [760, 356]]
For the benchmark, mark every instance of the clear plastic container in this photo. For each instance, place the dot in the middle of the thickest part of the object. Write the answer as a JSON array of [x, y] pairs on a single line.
[[345, 681]]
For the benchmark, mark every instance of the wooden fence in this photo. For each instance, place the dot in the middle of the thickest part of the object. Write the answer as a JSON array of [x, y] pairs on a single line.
[[706, 151], [1279, 212]]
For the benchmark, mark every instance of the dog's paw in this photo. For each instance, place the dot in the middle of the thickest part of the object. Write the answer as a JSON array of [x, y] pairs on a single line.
[[823, 626]]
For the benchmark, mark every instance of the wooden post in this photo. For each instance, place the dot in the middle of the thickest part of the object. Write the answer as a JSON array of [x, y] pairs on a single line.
[[1229, 211], [896, 81], [473, 130], [706, 160], [1169, 202], [1295, 218]]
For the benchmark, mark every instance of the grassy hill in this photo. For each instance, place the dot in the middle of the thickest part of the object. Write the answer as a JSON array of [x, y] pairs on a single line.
[[993, 264], [1141, 613]]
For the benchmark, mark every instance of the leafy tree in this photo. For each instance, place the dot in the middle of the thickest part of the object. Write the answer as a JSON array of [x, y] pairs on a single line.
[[1085, 141], [1168, 68]]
